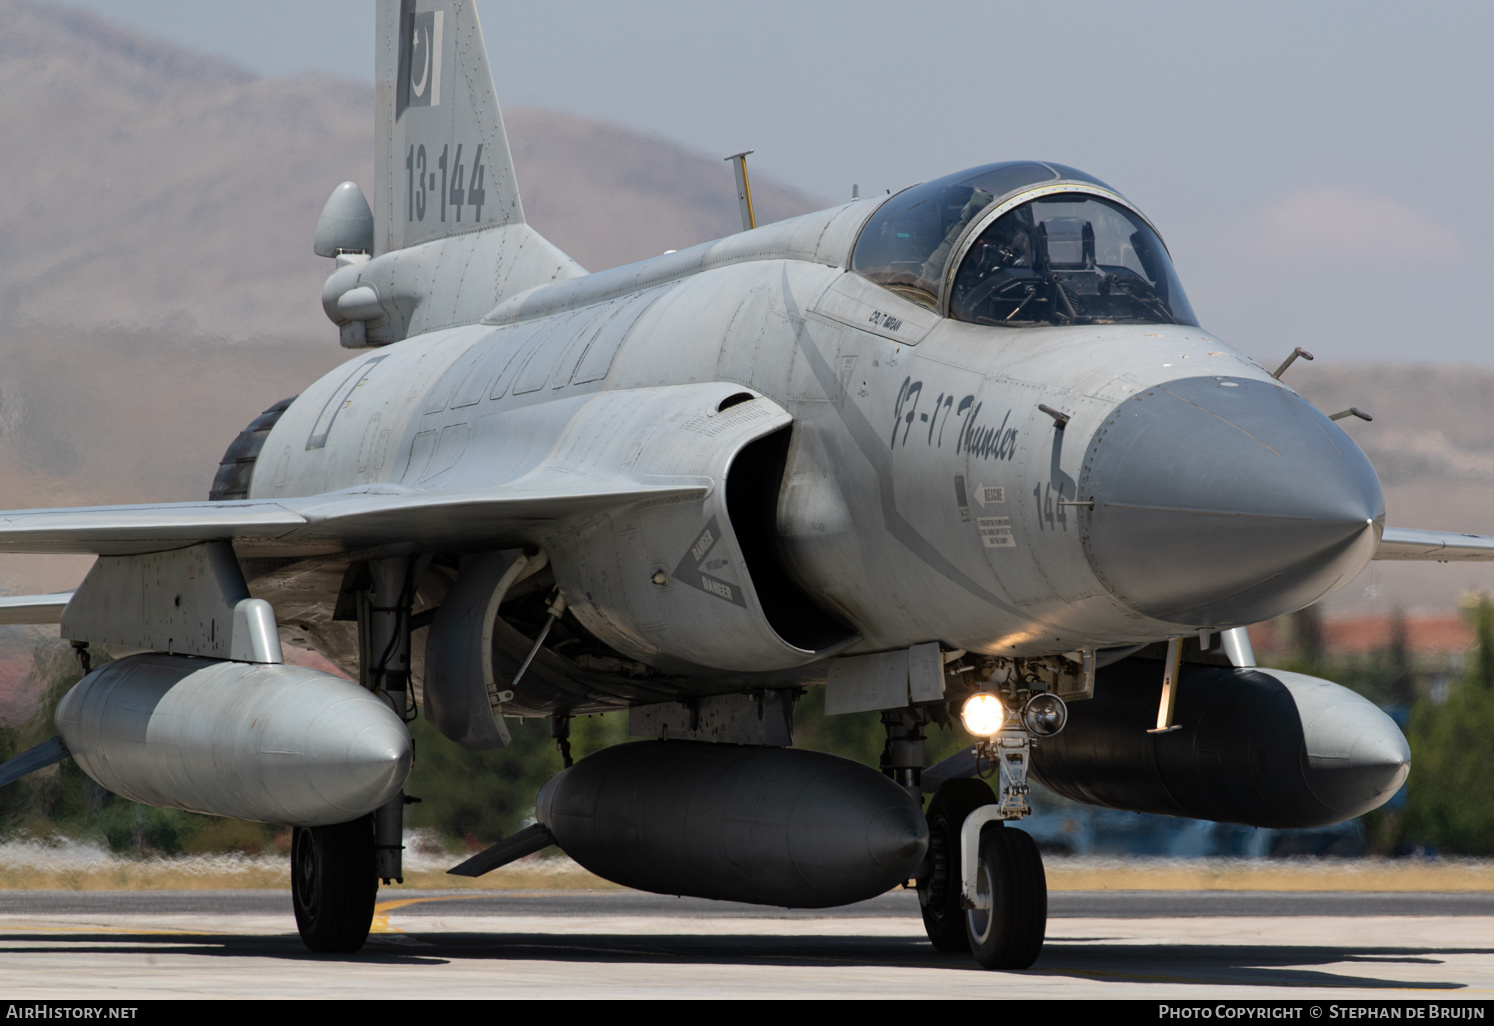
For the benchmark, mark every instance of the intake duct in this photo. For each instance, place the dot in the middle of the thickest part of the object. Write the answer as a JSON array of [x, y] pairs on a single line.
[[752, 487], [695, 584]]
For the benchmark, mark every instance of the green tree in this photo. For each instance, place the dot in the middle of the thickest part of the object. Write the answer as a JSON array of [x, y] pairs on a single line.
[[861, 736], [1450, 801], [1483, 626], [1449, 798], [35, 804], [481, 797], [1400, 685]]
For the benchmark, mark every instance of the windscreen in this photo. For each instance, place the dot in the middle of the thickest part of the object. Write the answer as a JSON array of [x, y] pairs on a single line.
[[1068, 259]]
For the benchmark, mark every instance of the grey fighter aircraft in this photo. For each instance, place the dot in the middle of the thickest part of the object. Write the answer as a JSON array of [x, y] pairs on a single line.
[[962, 451]]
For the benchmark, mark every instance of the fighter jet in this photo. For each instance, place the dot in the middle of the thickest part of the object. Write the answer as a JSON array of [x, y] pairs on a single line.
[[961, 452]]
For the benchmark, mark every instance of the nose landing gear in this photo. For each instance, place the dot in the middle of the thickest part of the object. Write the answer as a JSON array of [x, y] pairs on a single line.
[[982, 887]]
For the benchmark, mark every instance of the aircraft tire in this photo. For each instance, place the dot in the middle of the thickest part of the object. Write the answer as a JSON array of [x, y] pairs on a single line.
[[333, 885], [236, 469], [939, 888], [1010, 935]]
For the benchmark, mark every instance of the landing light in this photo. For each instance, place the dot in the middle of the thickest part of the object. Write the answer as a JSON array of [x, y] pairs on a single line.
[[1045, 714], [983, 714]]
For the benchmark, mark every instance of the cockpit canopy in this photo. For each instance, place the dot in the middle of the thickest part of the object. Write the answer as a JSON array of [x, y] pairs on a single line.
[[1021, 244]]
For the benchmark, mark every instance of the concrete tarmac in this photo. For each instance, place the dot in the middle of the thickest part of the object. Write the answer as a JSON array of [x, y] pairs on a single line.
[[1216, 946]]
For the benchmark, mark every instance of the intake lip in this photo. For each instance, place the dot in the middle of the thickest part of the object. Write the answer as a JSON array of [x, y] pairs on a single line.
[[1220, 501]]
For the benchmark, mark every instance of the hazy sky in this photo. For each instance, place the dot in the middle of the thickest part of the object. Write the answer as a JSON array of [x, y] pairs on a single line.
[[1318, 170]]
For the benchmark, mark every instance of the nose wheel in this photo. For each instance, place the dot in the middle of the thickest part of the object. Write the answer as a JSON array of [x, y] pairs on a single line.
[[333, 884], [939, 883], [1008, 932], [1007, 926]]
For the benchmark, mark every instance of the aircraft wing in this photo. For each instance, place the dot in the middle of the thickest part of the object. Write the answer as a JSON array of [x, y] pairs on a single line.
[[323, 524], [124, 530], [1434, 546], [19, 609]]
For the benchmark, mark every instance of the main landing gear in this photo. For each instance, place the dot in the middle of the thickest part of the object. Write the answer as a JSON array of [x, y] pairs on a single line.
[[335, 870], [982, 886], [333, 884]]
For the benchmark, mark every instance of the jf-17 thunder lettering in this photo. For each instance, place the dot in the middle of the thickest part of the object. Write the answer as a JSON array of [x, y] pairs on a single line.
[[969, 435], [934, 452]]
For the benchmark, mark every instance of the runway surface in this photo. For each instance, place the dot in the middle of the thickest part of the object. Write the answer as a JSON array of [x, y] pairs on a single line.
[[617, 944]]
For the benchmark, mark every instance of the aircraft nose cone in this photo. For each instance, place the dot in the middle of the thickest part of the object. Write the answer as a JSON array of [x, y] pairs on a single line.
[[1220, 501]]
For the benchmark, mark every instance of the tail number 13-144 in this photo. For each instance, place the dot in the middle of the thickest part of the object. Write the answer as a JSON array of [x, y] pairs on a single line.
[[448, 179]]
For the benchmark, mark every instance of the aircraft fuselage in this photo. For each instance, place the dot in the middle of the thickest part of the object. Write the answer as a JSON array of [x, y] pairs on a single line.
[[927, 494]]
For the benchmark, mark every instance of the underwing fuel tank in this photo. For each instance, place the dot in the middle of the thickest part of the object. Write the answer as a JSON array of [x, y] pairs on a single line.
[[772, 826], [1266, 748], [272, 743]]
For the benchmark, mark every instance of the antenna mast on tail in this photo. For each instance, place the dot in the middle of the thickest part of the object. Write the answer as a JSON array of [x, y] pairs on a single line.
[[744, 189]]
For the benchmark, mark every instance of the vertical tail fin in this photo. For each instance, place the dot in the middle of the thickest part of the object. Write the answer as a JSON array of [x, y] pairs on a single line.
[[443, 165]]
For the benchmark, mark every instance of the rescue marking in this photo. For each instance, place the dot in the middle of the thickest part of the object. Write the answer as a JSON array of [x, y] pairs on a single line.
[[987, 494]]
